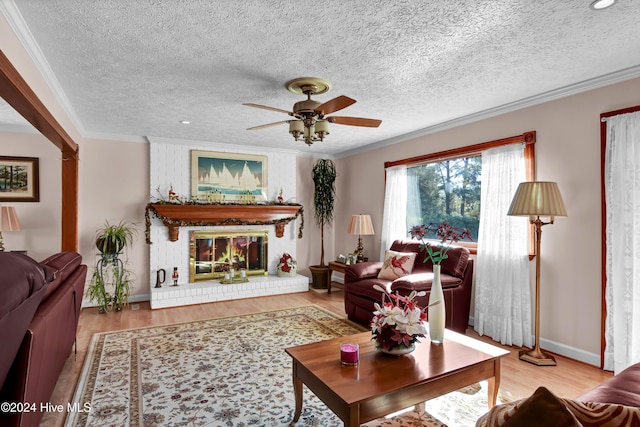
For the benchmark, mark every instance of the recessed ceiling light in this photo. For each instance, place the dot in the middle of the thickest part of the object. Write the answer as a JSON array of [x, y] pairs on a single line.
[[601, 4], [185, 122]]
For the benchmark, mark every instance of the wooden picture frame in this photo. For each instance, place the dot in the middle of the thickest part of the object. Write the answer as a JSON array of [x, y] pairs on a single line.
[[228, 177], [19, 179]]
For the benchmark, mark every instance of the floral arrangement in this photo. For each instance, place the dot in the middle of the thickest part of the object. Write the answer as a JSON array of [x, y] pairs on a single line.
[[287, 263], [398, 321], [447, 235]]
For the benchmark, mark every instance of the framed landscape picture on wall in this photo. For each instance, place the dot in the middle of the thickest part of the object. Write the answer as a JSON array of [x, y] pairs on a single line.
[[228, 177], [19, 179]]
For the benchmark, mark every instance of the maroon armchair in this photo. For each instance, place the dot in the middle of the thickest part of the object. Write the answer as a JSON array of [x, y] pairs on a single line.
[[456, 278]]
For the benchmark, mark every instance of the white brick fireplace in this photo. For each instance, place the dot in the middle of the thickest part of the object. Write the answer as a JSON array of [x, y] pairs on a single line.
[[170, 167]]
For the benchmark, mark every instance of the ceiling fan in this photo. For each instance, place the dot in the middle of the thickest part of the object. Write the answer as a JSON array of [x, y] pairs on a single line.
[[310, 116]]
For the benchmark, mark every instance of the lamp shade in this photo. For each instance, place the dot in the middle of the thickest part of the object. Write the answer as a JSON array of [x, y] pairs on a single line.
[[9, 219], [537, 198], [361, 225]]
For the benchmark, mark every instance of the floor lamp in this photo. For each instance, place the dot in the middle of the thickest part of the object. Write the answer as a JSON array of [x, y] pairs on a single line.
[[536, 199]]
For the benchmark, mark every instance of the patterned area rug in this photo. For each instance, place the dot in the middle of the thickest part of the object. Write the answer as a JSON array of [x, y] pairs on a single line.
[[231, 371]]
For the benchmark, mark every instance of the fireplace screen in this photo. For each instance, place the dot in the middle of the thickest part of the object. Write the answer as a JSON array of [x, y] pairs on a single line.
[[212, 252]]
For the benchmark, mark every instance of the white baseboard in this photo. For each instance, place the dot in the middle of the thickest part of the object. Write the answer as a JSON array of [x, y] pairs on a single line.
[[562, 349], [135, 298]]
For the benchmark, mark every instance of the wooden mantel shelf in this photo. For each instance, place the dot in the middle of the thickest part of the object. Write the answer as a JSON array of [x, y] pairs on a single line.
[[176, 215]]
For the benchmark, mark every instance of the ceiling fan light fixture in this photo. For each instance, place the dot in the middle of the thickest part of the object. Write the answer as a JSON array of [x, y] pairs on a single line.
[[322, 129], [601, 4], [310, 116], [296, 128]]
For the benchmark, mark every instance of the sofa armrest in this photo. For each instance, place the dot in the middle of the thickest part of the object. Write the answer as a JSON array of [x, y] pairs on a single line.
[[362, 270]]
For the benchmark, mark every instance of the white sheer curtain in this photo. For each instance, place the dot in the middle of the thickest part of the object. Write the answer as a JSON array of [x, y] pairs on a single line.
[[394, 217], [622, 265], [503, 296]]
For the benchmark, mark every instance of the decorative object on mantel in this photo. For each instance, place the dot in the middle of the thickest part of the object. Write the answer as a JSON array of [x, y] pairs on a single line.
[[324, 195], [189, 214], [536, 199], [447, 235], [398, 323], [173, 196], [287, 266]]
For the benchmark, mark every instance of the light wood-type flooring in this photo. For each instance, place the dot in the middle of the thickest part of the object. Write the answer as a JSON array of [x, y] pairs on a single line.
[[519, 379]]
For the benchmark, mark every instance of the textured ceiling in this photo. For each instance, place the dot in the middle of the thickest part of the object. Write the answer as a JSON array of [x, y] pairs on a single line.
[[130, 69]]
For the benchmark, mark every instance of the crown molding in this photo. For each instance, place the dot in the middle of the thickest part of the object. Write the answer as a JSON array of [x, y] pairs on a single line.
[[233, 147], [24, 35], [584, 86]]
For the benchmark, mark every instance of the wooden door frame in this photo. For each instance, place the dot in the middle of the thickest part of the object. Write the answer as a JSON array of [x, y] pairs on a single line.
[[17, 93]]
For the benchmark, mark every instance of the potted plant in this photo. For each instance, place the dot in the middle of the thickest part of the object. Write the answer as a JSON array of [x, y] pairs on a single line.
[[324, 177], [110, 271], [112, 239]]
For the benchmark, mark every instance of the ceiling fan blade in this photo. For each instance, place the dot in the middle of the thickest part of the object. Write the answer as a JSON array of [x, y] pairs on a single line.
[[264, 107], [354, 121], [335, 104], [268, 125]]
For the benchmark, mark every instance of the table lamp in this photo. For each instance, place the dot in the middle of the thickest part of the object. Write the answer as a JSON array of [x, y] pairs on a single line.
[[362, 226], [8, 222], [536, 199]]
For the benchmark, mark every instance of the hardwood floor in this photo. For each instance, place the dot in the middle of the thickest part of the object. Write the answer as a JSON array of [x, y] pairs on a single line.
[[519, 379]]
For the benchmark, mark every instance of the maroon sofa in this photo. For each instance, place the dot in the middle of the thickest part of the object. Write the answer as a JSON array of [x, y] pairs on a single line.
[[456, 278], [39, 309]]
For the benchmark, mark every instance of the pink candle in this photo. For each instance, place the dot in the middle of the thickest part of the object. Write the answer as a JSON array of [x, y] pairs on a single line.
[[349, 354]]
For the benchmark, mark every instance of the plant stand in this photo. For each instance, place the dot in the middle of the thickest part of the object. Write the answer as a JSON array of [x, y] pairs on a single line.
[[109, 273]]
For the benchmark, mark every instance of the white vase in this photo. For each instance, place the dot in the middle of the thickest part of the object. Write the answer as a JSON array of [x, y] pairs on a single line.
[[437, 313]]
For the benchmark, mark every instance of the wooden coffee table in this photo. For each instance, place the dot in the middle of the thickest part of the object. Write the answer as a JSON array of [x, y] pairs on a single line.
[[382, 384]]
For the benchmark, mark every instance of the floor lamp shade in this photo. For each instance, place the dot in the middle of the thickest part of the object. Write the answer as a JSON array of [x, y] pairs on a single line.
[[536, 199]]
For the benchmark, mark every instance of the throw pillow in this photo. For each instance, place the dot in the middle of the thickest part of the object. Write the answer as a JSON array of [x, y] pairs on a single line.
[[396, 264], [542, 408]]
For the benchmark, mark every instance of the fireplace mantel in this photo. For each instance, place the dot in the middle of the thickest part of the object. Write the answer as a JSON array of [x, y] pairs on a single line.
[[174, 216]]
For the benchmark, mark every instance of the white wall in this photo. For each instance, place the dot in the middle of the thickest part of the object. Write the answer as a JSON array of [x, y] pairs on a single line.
[[114, 187], [40, 221], [568, 152]]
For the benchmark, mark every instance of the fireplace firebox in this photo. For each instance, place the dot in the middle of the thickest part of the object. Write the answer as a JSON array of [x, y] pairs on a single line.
[[213, 252]]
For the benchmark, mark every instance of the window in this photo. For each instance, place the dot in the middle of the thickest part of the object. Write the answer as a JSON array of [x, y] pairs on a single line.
[[445, 191], [445, 186]]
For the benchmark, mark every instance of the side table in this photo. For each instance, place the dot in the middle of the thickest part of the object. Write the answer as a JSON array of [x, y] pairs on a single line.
[[334, 266]]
